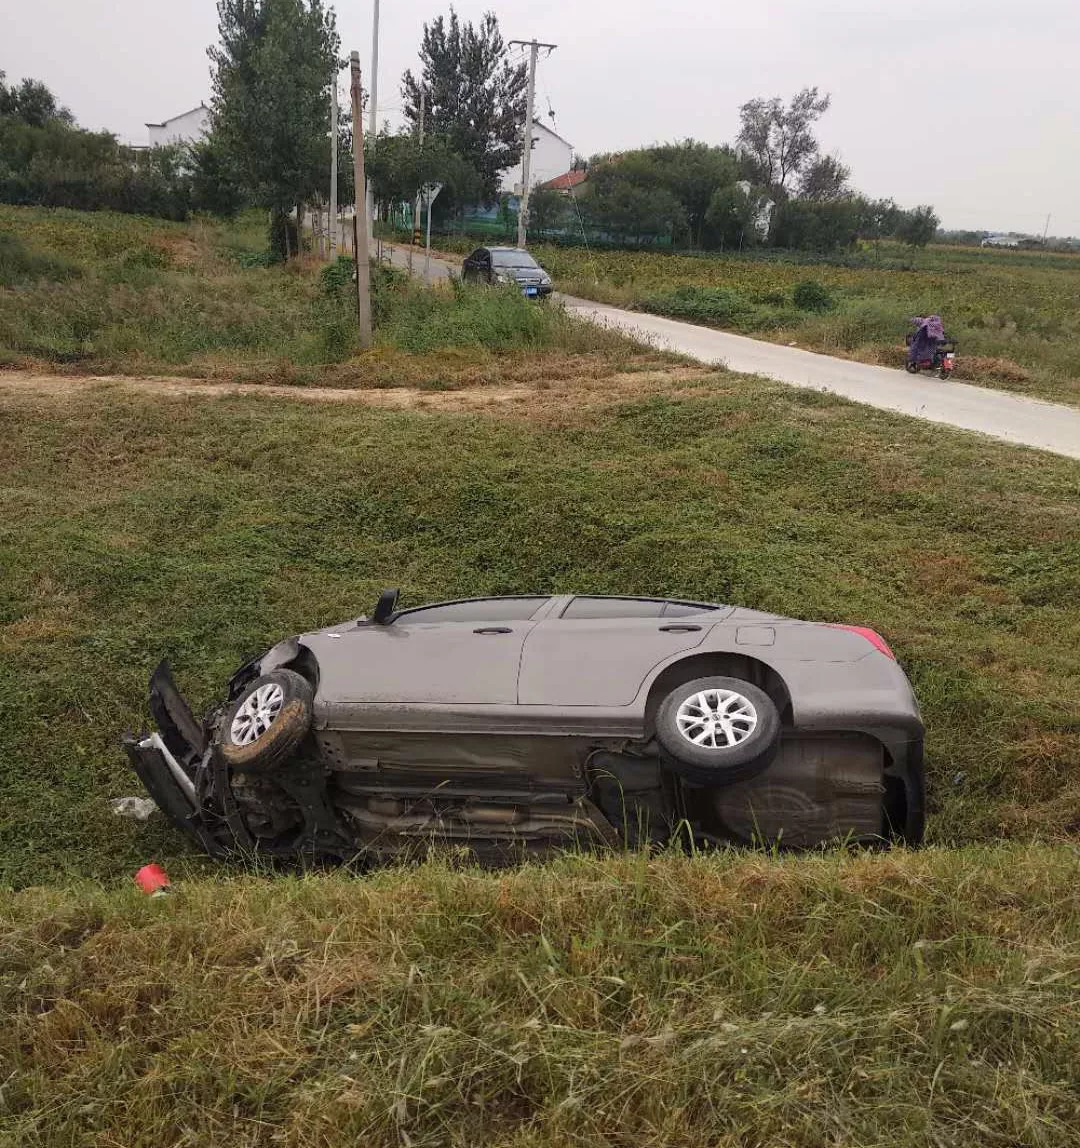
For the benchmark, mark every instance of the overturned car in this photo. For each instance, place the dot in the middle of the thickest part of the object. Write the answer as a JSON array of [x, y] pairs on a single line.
[[514, 726]]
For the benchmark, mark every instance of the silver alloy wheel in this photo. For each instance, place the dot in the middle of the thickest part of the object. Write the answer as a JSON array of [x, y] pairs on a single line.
[[716, 719], [257, 714]]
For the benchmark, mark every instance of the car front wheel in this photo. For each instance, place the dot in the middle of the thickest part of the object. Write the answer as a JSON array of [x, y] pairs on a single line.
[[264, 727], [717, 731]]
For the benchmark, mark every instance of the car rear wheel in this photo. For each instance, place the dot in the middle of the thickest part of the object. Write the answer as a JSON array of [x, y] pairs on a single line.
[[717, 731], [264, 727]]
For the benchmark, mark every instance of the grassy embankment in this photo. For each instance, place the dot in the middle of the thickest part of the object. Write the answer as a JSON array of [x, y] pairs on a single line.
[[1016, 314], [912, 999], [711, 1002], [104, 293]]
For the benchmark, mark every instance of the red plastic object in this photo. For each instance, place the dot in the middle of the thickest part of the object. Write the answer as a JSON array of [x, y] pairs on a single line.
[[872, 636], [153, 880]]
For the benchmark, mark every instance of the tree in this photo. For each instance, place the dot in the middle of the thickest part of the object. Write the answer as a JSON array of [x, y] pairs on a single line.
[[548, 210], [475, 97], [399, 166], [778, 141], [825, 179], [733, 215], [628, 210], [801, 224], [271, 90], [692, 172], [918, 226], [33, 103]]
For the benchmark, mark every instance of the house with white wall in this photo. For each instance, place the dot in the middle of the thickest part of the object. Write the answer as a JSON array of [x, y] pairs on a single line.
[[551, 156], [185, 128]]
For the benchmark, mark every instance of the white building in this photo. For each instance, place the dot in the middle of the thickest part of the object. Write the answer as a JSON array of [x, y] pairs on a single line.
[[184, 128], [551, 156]]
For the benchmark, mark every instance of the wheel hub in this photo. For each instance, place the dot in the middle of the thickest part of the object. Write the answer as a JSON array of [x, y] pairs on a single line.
[[257, 714], [716, 719]]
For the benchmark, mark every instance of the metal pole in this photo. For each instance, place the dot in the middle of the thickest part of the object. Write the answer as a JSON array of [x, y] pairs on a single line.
[[373, 122], [333, 221], [526, 153], [363, 262]]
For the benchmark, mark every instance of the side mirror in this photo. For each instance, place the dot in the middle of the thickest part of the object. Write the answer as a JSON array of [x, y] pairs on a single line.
[[385, 607]]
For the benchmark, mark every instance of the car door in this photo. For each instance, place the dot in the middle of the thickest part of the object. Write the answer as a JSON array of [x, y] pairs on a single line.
[[601, 650], [452, 653]]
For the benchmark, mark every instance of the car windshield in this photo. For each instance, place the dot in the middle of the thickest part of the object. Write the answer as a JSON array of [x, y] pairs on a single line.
[[514, 259]]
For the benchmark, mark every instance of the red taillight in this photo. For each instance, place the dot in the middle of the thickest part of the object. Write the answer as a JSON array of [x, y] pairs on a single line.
[[872, 636]]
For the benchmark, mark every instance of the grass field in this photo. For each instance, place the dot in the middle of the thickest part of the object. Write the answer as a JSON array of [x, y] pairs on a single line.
[[911, 1000], [134, 526], [711, 1002], [1016, 314], [105, 293]]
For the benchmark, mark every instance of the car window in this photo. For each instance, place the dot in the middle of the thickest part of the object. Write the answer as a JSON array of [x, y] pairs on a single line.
[[513, 259], [473, 610], [588, 607]]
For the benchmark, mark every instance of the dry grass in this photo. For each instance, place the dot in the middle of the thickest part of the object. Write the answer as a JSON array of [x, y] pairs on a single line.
[[865, 1001]]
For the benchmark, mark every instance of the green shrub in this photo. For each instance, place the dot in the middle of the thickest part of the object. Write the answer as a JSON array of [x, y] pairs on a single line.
[[718, 305], [810, 295]]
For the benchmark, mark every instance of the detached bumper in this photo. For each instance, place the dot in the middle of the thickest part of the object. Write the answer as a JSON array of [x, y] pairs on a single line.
[[177, 765]]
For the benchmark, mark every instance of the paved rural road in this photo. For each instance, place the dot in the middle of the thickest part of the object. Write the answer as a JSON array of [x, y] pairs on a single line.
[[1012, 418]]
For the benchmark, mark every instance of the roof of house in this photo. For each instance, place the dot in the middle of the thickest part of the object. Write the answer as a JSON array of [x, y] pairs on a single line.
[[200, 107], [567, 181], [551, 131]]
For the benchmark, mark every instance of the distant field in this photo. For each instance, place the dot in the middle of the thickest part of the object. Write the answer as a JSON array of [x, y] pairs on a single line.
[[1016, 314]]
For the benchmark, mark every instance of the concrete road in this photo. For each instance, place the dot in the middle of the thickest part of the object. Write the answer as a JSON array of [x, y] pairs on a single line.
[[1013, 418]]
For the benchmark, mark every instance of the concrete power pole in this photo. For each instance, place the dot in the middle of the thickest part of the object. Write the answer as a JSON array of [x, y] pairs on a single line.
[[360, 226], [526, 155], [416, 208], [373, 122], [333, 168]]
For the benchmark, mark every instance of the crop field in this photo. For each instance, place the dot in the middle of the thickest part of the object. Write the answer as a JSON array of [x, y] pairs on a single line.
[[1016, 314]]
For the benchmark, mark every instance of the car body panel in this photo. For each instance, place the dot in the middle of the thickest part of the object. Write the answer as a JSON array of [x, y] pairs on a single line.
[[528, 720]]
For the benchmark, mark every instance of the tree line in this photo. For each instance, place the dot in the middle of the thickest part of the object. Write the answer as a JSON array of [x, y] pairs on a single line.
[[272, 74]]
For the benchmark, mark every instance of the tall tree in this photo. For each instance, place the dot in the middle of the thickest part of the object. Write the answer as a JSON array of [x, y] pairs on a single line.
[[779, 140], [825, 179], [475, 97], [33, 103], [271, 94]]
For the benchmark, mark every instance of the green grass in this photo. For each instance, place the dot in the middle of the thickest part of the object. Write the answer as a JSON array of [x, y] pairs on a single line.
[[133, 527], [1016, 314], [710, 1002], [106, 293]]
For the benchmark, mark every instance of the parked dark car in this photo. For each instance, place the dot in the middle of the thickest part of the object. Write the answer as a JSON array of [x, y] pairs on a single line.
[[513, 726], [500, 265]]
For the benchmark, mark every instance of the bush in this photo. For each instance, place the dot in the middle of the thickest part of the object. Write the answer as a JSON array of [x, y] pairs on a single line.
[[719, 305], [810, 295]]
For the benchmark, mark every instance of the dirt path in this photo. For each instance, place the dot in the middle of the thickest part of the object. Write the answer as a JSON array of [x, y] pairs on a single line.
[[586, 391]]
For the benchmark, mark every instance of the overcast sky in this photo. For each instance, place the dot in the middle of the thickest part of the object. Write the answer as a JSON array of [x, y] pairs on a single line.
[[971, 105]]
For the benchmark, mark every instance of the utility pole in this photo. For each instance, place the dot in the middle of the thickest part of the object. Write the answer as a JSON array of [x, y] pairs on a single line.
[[333, 167], [416, 207], [373, 122], [526, 155], [1047, 227], [363, 264]]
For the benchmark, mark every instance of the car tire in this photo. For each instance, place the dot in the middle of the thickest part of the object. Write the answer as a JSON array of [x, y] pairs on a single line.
[[729, 710], [264, 727]]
